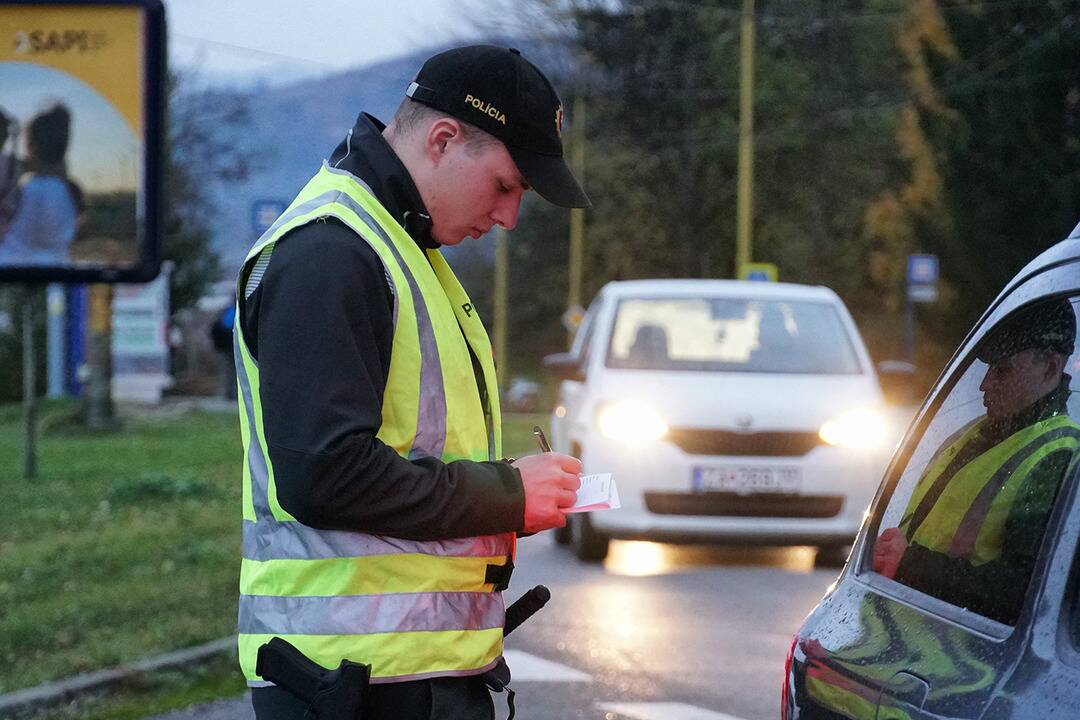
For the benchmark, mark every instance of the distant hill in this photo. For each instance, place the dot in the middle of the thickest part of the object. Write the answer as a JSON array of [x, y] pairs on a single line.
[[294, 127]]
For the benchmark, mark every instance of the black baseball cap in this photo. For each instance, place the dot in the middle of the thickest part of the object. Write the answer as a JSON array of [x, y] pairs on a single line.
[[505, 95], [1050, 325]]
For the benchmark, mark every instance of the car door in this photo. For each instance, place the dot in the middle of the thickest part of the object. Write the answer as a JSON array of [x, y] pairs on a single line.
[[890, 645], [1046, 680], [990, 618]]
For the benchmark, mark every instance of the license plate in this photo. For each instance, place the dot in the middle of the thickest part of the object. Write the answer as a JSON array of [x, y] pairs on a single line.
[[746, 479]]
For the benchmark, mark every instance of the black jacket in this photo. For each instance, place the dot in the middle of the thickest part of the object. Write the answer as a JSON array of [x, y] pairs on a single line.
[[320, 326]]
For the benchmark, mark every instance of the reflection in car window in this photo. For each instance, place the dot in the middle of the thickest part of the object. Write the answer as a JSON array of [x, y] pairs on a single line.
[[580, 346], [731, 335], [969, 512]]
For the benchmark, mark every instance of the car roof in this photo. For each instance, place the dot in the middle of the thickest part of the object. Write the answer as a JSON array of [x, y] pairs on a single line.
[[691, 287]]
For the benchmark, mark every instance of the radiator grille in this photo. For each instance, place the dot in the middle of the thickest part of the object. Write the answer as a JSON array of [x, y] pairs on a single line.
[[723, 442]]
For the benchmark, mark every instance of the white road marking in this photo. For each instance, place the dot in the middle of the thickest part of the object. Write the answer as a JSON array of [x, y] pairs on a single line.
[[662, 711], [529, 668]]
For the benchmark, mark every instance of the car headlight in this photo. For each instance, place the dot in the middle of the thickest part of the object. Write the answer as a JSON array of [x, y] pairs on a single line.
[[858, 429], [631, 422]]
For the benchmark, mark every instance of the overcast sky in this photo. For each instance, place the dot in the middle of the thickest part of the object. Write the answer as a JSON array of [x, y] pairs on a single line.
[[288, 39]]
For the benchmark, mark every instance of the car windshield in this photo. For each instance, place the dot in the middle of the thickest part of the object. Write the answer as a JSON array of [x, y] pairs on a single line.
[[731, 335]]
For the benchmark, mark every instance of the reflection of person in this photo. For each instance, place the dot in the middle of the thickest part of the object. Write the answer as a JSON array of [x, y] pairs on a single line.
[[379, 522], [46, 221], [972, 528], [9, 173]]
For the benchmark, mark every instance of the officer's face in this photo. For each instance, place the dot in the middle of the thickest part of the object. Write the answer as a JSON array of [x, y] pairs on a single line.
[[1018, 381], [472, 190]]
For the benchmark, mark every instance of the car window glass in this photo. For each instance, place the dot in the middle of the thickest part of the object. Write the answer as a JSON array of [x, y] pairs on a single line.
[[968, 513], [731, 335], [580, 347]]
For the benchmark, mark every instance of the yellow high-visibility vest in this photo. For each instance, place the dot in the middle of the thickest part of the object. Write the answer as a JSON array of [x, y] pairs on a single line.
[[968, 518], [410, 609]]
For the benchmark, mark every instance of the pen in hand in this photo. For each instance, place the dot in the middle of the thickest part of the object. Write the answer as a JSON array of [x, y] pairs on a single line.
[[541, 439]]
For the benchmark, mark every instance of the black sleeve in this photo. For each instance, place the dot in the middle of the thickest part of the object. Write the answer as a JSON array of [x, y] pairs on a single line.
[[325, 328], [995, 589]]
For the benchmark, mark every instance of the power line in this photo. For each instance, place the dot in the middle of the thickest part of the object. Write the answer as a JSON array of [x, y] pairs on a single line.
[[245, 50], [777, 136], [833, 17]]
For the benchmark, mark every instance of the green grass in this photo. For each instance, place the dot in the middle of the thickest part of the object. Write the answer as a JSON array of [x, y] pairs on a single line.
[[518, 439], [126, 545], [161, 693]]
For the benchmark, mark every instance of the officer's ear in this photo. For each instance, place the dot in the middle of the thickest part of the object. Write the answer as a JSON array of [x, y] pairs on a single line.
[[1055, 364], [440, 135]]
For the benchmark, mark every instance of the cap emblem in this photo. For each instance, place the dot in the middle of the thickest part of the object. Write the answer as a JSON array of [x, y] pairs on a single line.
[[486, 108], [558, 121]]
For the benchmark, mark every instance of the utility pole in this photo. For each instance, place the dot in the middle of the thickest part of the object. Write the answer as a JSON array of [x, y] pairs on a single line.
[[744, 203], [502, 269], [577, 215]]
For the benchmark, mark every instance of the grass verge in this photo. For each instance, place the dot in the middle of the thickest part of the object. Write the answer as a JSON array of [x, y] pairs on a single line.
[[125, 545], [153, 695]]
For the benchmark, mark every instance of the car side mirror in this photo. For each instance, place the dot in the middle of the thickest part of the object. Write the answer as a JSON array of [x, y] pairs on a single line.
[[897, 378], [564, 366]]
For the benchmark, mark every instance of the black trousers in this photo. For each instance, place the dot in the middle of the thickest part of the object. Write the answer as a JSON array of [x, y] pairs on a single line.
[[464, 698]]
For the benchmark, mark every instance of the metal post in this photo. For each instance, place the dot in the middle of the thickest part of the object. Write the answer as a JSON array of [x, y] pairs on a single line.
[[55, 336], [30, 454], [744, 203], [577, 215], [909, 326], [98, 405], [502, 265]]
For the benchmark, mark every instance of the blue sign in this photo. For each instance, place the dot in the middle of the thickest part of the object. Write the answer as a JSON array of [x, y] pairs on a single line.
[[759, 272], [922, 269], [264, 213]]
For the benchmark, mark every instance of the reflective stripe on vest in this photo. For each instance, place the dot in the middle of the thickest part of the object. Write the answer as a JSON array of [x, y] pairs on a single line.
[[411, 609], [968, 518]]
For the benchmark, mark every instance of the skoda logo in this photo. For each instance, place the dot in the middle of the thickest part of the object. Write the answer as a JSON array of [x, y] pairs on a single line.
[[743, 422]]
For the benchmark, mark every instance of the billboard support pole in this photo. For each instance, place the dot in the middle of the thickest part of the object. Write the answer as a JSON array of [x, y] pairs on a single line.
[[29, 449]]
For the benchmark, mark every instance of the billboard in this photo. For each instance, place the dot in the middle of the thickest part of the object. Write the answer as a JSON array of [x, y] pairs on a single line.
[[81, 125]]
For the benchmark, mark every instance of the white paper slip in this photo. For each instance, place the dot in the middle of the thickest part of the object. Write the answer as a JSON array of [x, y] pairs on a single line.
[[597, 492]]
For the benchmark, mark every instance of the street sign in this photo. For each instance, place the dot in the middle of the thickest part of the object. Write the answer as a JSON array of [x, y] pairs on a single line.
[[922, 277], [922, 269], [264, 213], [760, 272], [140, 340], [922, 293]]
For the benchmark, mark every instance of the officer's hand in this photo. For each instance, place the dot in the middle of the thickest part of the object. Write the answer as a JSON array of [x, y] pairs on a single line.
[[888, 551], [551, 481]]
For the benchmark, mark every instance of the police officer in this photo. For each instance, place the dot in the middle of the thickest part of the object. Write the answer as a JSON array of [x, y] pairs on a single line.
[[379, 521], [972, 528]]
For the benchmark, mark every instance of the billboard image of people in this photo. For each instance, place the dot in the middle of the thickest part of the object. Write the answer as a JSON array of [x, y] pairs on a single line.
[[75, 92]]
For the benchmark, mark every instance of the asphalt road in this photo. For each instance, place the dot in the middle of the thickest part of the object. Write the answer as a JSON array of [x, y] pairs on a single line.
[[656, 632]]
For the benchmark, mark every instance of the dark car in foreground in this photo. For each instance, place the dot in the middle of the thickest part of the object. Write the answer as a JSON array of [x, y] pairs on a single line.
[[960, 596]]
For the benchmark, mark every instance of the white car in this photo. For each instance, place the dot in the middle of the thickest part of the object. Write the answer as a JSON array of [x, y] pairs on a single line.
[[728, 411]]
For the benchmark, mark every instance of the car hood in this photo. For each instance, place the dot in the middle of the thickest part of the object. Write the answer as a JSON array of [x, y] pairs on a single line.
[[743, 401]]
